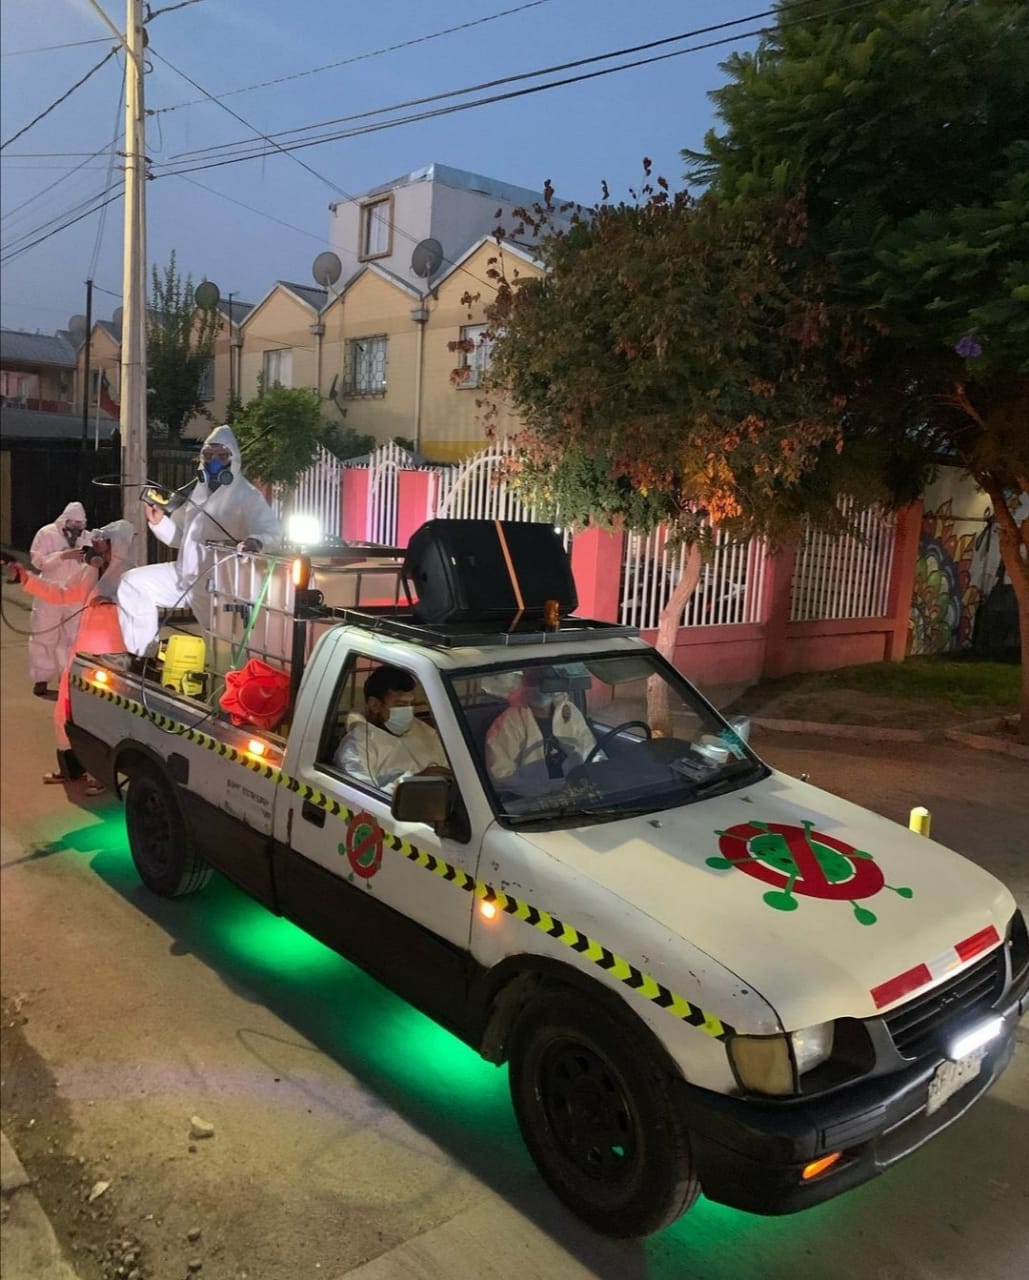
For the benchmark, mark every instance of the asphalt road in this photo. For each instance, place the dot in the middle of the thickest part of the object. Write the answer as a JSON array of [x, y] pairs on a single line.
[[354, 1139]]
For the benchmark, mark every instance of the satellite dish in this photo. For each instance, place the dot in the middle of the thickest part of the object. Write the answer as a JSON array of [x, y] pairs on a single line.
[[327, 269], [116, 318], [426, 258], [206, 295], [77, 327]]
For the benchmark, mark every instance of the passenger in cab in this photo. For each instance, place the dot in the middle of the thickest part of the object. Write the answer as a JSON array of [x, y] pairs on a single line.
[[388, 743], [533, 745]]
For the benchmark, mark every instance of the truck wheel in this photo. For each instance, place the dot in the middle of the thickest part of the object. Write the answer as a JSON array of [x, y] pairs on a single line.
[[595, 1110], [161, 844]]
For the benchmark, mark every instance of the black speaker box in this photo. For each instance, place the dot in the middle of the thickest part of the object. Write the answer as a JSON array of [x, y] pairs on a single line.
[[495, 571]]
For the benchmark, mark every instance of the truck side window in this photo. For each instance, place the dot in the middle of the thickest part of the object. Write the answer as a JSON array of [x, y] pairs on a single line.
[[379, 728]]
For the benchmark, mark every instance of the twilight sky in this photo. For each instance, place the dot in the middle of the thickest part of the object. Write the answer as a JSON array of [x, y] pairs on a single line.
[[225, 229]]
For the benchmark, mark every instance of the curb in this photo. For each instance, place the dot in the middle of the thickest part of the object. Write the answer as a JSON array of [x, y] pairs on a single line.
[[963, 734], [30, 1247]]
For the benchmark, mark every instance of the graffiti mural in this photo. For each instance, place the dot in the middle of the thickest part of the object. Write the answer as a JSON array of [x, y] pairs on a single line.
[[944, 599]]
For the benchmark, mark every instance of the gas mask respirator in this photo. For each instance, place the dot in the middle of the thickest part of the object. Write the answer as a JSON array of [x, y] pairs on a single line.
[[215, 472]]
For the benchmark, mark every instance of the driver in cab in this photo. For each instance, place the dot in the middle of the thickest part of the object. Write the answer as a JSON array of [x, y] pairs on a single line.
[[388, 743], [533, 745]]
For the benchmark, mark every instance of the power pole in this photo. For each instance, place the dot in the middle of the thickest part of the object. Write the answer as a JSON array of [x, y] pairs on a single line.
[[132, 420], [86, 369]]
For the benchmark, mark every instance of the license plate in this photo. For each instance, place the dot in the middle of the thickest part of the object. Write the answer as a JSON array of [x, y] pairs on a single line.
[[952, 1076]]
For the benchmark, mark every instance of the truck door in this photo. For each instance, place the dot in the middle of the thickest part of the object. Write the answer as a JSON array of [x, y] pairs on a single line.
[[378, 891]]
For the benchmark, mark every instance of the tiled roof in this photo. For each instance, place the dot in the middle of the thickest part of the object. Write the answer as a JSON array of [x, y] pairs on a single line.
[[36, 348], [235, 312], [32, 424], [315, 297]]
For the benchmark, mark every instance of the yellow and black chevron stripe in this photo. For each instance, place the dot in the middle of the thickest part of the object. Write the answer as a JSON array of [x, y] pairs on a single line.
[[586, 947]]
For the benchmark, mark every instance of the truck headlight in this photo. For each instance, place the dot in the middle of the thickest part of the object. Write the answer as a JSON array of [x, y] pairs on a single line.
[[774, 1064]]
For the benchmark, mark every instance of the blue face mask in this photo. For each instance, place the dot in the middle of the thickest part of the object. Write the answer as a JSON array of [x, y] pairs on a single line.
[[216, 472]]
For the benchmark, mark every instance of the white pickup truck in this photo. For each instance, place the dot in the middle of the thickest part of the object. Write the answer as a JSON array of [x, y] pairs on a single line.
[[703, 974]]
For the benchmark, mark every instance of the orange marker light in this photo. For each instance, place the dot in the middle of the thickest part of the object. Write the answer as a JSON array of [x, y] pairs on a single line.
[[487, 910], [255, 747], [301, 572], [101, 677], [816, 1167]]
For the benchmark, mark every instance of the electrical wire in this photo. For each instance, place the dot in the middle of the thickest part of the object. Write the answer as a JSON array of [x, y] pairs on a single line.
[[260, 212], [49, 48], [358, 57], [50, 186], [110, 176], [502, 97], [63, 98], [71, 222], [491, 84], [14, 242]]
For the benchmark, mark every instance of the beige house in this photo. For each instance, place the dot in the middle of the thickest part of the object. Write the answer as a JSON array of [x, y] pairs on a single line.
[[222, 380], [281, 339]]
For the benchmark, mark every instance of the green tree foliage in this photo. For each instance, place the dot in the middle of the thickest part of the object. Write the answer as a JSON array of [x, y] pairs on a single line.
[[668, 369], [180, 345], [279, 432], [903, 129]]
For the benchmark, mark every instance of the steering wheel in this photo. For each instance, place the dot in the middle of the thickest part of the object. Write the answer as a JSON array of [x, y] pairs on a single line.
[[606, 738]]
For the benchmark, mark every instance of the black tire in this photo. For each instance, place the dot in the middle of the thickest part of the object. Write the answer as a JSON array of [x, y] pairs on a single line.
[[595, 1110], [159, 837]]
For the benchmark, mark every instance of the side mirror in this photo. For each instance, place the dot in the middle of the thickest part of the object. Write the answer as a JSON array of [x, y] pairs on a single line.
[[740, 725], [422, 800]]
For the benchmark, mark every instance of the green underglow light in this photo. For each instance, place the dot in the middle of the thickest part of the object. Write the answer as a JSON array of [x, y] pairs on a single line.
[[419, 1068]]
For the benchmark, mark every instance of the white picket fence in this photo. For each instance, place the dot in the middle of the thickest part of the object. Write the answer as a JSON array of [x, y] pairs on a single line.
[[729, 590], [847, 575], [318, 493]]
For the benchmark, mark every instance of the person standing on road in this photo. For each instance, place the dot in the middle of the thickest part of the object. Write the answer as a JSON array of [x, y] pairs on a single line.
[[53, 628], [222, 505], [89, 599]]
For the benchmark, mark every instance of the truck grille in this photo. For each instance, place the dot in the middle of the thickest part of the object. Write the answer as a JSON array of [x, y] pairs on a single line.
[[916, 1027]]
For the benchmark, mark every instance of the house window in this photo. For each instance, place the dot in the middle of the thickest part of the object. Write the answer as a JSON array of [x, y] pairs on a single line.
[[476, 359], [377, 228], [366, 367], [206, 391], [278, 368]]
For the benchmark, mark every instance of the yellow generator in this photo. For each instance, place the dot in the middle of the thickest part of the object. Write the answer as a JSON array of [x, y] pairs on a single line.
[[182, 664]]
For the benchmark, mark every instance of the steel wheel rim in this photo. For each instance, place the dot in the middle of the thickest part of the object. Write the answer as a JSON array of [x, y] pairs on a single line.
[[155, 831], [588, 1113]]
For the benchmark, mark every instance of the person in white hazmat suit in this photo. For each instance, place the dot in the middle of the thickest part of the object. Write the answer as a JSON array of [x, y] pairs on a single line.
[[53, 624], [96, 628], [533, 745], [388, 743], [222, 506]]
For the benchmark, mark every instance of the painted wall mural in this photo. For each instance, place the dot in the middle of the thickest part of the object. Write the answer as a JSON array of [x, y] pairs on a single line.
[[958, 558]]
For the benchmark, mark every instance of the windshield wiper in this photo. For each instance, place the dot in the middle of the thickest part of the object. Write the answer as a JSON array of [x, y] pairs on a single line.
[[731, 774]]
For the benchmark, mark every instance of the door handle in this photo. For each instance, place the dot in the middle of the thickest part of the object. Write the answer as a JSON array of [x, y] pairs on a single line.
[[312, 813]]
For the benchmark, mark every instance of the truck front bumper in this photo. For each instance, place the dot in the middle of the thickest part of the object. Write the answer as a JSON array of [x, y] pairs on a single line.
[[751, 1154]]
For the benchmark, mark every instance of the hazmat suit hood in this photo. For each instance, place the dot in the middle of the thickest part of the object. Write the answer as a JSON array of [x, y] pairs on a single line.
[[73, 513], [120, 534], [225, 437]]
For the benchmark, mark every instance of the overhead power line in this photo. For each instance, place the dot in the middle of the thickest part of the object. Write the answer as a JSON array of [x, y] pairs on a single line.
[[357, 57], [63, 98], [241, 155], [535, 74], [71, 221], [49, 48]]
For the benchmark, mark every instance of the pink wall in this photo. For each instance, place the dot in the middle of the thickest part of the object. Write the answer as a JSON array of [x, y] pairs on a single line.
[[709, 656], [354, 501]]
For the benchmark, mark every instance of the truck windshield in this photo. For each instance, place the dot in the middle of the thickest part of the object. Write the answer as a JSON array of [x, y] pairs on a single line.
[[596, 739]]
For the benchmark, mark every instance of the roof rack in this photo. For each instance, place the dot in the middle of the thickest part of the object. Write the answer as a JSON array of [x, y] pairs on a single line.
[[402, 625]]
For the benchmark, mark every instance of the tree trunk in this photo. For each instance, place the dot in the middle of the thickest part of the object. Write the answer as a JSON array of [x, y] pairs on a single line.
[[1014, 551], [659, 712]]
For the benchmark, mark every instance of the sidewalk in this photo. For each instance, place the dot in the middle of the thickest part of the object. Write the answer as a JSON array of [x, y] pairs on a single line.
[[30, 1248]]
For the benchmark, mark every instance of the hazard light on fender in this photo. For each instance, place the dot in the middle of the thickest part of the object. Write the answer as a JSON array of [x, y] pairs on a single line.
[[816, 1167]]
